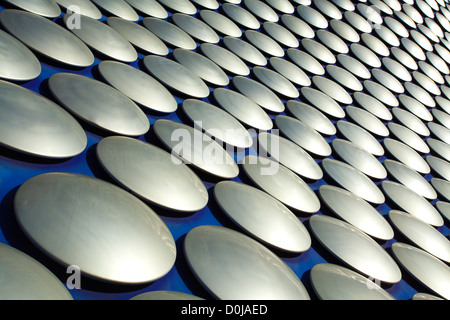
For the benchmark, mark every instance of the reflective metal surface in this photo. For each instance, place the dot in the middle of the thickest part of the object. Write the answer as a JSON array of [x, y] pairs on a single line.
[[408, 137], [102, 38], [46, 38], [411, 202], [242, 108], [85, 7], [182, 6], [278, 226], [230, 265], [34, 125], [367, 120], [289, 154], [195, 148], [356, 211], [245, 51], [240, 15], [334, 282], [322, 102], [169, 33], [261, 9], [113, 112], [312, 116], [421, 234], [18, 63], [407, 155], [303, 135], [355, 248], [360, 137], [276, 82], [281, 183], [381, 93], [222, 24], [332, 41], [312, 16], [440, 148], [419, 263], [119, 8], [344, 78], [217, 123], [439, 166], [97, 211], [280, 34], [319, 51], [225, 59], [305, 61], [396, 69], [138, 86], [152, 174], [345, 31], [149, 8], [166, 296], [353, 180], [196, 28], [442, 187], [264, 43], [359, 158], [176, 76], [415, 107], [24, 278], [354, 66], [259, 93], [410, 178], [372, 105], [201, 66], [332, 89], [388, 81], [45, 8], [297, 26], [291, 71]]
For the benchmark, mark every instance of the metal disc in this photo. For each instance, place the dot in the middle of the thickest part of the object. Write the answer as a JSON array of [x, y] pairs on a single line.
[[152, 174], [281, 183], [431, 71], [357, 21], [261, 10], [222, 24], [344, 78], [303, 135], [440, 148], [389, 37], [439, 166], [312, 116], [84, 7], [201, 66], [426, 83], [322, 102], [381, 93], [46, 37], [17, 62], [118, 8], [245, 51], [76, 219], [290, 70], [283, 6], [441, 117], [354, 66], [375, 44], [360, 137], [419, 263], [165, 295], [176, 76], [217, 123], [102, 38], [444, 209], [169, 33], [24, 278], [332, 89], [196, 28], [353, 180], [332, 41], [421, 234], [45, 8], [421, 40], [208, 4], [404, 58], [408, 137], [280, 34], [413, 48], [365, 55], [277, 226], [195, 148], [138, 86], [409, 120], [305, 61], [439, 131], [241, 16], [356, 212], [150, 8], [415, 107], [182, 6], [396, 69], [396, 26], [312, 16], [334, 282], [225, 59], [367, 120], [345, 31], [230, 265], [242, 108], [388, 81], [289, 154], [412, 203], [319, 51], [264, 43], [258, 93], [410, 178], [328, 9], [138, 36], [407, 155], [113, 111], [372, 105], [276, 82], [355, 248], [297, 26], [359, 158], [34, 125]]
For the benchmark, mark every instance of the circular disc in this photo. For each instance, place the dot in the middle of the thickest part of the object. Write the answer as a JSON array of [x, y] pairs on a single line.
[[355, 248], [77, 219], [281, 183], [305, 61], [195, 28], [225, 59], [45, 8], [264, 43], [407, 155], [323, 102], [113, 111], [119, 8], [312, 116], [220, 23], [367, 120], [245, 51], [276, 82], [360, 137], [275, 224], [169, 33], [230, 265], [291, 71], [152, 173], [372, 105], [332, 89]]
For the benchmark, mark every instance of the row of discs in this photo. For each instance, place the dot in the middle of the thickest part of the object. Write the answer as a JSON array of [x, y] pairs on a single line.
[[304, 119]]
